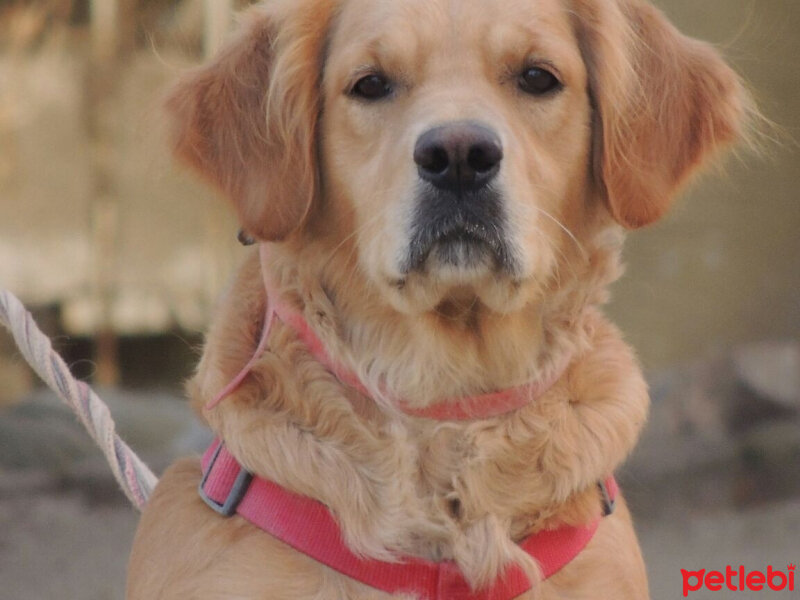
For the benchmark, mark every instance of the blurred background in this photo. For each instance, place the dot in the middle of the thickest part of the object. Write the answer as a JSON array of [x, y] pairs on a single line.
[[121, 256]]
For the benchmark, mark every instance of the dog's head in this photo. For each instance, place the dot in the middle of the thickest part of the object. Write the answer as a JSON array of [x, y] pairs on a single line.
[[465, 148]]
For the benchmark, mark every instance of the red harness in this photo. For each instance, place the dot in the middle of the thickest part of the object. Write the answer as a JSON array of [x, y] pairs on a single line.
[[308, 526]]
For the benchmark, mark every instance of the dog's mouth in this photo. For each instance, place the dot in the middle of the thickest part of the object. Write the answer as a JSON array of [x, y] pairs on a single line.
[[468, 245], [468, 233]]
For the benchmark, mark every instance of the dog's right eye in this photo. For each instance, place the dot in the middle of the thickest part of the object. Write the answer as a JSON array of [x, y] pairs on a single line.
[[371, 87], [538, 81]]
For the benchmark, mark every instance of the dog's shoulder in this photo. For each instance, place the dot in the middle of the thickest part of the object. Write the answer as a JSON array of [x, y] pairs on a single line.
[[183, 549]]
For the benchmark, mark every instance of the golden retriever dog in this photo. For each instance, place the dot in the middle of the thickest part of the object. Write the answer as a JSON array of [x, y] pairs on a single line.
[[439, 188]]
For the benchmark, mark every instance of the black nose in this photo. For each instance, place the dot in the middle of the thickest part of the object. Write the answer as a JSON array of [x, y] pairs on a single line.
[[462, 155]]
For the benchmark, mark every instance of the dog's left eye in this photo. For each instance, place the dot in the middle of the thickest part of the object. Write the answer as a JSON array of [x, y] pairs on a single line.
[[538, 81], [371, 87]]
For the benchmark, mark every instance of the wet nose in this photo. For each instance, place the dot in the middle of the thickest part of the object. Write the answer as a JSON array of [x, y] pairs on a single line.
[[458, 156]]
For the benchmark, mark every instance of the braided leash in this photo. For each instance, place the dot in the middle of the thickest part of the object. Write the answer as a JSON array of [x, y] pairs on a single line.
[[133, 476]]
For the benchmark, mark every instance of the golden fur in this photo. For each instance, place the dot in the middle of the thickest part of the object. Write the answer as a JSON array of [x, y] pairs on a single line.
[[331, 181]]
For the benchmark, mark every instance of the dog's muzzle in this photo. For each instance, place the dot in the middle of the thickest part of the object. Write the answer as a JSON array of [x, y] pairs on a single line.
[[459, 216]]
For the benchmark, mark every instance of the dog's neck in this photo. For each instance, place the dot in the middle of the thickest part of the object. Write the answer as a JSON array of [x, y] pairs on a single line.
[[458, 408], [458, 349], [403, 484]]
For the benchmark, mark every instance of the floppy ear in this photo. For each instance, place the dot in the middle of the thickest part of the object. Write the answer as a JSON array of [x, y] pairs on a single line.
[[663, 103], [247, 121]]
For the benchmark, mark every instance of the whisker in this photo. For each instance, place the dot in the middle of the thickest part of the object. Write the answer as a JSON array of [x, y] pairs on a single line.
[[566, 230]]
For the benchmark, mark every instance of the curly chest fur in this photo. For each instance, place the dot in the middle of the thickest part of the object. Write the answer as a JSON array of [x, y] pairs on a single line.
[[398, 484]]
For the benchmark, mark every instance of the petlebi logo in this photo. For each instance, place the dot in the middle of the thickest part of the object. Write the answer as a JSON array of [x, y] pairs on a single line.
[[739, 580]]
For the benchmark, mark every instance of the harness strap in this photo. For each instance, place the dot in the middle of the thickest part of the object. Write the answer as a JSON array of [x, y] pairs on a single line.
[[308, 526]]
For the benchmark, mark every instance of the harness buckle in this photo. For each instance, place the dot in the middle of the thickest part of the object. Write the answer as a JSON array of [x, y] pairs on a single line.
[[609, 503], [236, 493]]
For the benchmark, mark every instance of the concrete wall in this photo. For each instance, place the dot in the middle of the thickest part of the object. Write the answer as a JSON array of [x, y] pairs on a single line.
[[721, 269], [172, 239]]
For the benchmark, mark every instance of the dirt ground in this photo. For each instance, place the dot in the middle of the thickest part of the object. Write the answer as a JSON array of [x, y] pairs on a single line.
[[58, 543], [67, 530]]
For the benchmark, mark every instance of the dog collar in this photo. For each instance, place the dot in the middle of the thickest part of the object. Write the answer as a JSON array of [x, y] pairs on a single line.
[[482, 406], [308, 526]]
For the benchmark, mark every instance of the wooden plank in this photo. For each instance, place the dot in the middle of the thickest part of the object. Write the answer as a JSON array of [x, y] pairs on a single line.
[[217, 23], [104, 28]]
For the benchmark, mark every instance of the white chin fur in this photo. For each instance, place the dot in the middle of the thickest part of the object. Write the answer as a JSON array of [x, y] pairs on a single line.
[[423, 292]]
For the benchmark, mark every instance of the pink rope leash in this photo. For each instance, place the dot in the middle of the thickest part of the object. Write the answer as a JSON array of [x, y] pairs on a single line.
[[134, 477]]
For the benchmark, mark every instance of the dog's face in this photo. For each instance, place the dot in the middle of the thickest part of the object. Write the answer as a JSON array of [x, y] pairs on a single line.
[[459, 134], [474, 146]]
